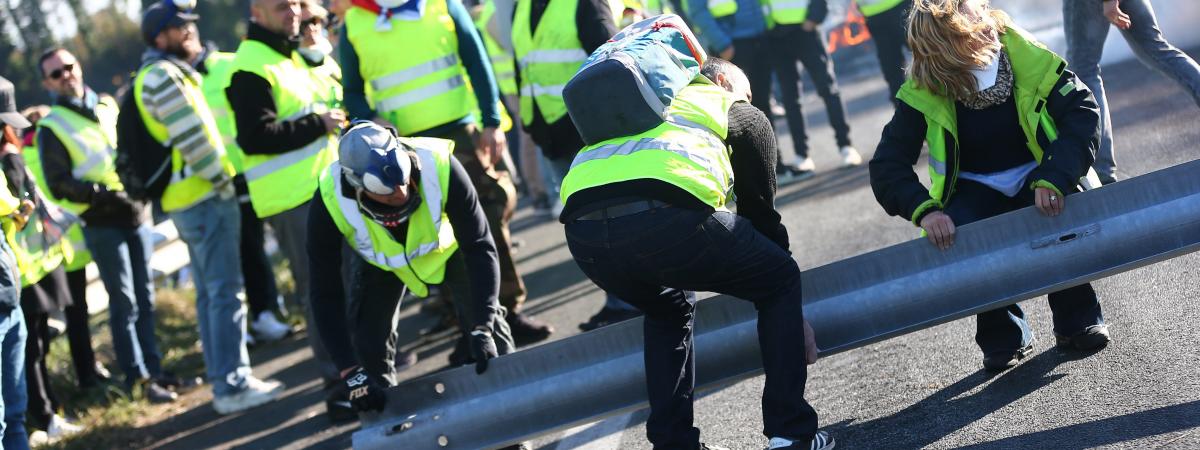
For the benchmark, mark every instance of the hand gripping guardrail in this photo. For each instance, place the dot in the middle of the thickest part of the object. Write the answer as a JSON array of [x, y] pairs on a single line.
[[850, 303]]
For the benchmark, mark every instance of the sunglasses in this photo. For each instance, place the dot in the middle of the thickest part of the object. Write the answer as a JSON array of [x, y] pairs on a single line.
[[61, 71], [313, 21]]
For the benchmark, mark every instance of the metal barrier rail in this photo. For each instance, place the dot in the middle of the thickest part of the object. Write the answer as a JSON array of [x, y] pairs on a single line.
[[850, 303]]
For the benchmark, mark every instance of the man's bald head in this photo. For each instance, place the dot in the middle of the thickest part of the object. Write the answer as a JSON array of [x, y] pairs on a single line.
[[278, 16], [727, 75]]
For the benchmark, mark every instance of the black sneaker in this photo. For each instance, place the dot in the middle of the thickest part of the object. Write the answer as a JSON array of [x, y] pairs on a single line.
[[1001, 361], [821, 441], [156, 393], [527, 330], [608, 316], [1091, 338]]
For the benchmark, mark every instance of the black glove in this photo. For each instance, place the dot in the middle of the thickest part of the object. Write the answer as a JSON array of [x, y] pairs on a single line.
[[483, 348], [365, 393]]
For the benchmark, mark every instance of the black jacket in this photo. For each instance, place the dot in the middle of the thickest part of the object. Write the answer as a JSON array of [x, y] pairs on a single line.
[[106, 209], [595, 25], [325, 244], [1076, 116], [254, 109]]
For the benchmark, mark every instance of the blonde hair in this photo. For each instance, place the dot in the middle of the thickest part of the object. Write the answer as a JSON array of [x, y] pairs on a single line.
[[948, 39]]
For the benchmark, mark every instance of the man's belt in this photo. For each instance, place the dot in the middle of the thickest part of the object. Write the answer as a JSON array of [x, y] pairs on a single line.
[[623, 209]]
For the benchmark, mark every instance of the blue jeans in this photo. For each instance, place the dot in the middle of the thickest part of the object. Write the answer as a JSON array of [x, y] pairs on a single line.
[[1004, 330], [212, 231], [1086, 27], [655, 260], [122, 256], [12, 355]]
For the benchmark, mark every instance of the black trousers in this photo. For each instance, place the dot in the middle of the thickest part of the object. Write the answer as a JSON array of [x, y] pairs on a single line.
[[374, 309], [887, 30], [261, 292], [791, 44], [79, 333], [753, 57]]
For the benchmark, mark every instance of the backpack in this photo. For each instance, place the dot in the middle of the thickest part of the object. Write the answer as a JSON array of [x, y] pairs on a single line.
[[142, 162], [626, 85]]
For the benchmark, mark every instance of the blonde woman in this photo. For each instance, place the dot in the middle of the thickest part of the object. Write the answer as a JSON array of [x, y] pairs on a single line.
[[1007, 127]]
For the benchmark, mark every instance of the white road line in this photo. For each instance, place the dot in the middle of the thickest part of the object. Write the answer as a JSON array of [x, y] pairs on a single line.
[[603, 435]]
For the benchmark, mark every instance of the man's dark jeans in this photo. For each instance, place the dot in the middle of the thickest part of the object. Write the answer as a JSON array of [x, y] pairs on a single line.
[[1005, 330], [655, 260], [888, 31]]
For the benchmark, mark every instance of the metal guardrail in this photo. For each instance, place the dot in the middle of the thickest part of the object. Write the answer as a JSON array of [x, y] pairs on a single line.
[[850, 303]]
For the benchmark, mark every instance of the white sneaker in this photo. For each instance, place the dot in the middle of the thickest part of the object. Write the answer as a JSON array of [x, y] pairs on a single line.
[[268, 328], [38, 438], [806, 165], [850, 156], [556, 210], [60, 428], [257, 392]]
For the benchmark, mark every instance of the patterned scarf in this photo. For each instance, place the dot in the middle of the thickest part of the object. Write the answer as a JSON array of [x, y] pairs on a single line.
[[998, 93]]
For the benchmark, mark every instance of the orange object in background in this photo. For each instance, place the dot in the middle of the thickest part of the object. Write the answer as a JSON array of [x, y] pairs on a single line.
[[852, 31]]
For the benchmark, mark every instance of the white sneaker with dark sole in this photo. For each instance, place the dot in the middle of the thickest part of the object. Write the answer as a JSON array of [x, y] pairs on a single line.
[[850, 156], [821, 441], [257, 392]]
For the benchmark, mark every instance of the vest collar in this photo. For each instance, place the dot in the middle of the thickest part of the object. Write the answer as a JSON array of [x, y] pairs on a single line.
[[281, 44], [85, 106]]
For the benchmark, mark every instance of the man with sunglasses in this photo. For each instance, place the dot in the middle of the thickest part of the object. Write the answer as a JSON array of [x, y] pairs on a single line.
[[412, 216], [200, 198], [76, 146]]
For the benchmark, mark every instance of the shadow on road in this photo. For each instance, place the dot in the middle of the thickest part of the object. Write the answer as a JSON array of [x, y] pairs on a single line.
[[1108, 431], [947, 411]]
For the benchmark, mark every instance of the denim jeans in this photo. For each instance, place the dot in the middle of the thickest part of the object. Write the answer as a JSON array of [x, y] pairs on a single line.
[[122, 256], [1086, 28], [1005, 330], [655, 260], [12, 377], [211, 229]]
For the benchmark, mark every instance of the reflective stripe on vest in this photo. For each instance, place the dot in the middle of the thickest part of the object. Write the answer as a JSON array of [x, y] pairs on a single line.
[[430, 239], [502, 61], [79, 256], [424, 85], [1035, 72], [280, 182], [787, 12], [722, 8], [688, 151], [872, 7]]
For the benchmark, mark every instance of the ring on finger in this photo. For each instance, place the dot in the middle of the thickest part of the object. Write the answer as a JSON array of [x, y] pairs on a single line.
[[1053, 198]]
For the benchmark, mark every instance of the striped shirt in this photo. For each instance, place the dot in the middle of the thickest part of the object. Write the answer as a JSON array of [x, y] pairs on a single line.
[[163, 97]]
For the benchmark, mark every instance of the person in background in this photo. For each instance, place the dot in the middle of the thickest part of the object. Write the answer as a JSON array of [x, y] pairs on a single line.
[[13, 214], [978, 87], [89, 372], [258, 275], [287, 125], [1086, 24], [458, 81], [796, 37], [40, 250], [81, 127], [886, 21], [200, 200]]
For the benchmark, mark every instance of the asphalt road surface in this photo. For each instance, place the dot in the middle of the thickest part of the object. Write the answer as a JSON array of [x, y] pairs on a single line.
[[921, 390]]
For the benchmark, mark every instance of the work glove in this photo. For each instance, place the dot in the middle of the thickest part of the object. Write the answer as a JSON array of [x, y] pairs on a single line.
[[483, 348], [365, 392]]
